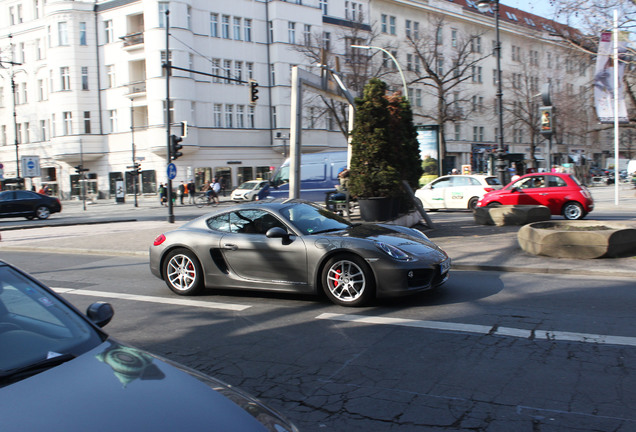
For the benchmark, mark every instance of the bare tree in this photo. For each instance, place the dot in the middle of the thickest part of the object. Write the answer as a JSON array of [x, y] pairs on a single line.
[[443, 69]]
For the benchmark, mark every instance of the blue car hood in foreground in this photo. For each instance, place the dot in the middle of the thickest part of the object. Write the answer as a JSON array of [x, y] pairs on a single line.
[[118, 388]]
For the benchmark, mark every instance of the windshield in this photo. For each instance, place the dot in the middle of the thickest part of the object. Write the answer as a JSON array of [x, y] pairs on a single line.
[[248, 185], [281, 176], [36, 326], [313, 219]]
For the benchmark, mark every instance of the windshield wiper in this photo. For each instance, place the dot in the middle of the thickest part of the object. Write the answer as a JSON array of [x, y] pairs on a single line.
[[18, 374], [328, 230]]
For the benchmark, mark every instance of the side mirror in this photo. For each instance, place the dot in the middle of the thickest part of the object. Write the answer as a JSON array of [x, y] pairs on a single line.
[[277, 232], [514, 189], [100, 313]]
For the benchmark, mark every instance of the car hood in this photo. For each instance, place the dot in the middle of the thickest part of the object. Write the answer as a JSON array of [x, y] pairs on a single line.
[[117, 387], [398, 236]]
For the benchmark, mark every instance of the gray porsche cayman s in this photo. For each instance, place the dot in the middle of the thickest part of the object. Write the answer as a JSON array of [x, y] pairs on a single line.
[[297, 246]]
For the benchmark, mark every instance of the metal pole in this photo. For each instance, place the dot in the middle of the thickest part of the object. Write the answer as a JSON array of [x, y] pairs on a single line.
[[500, 162], [15, 115], [132, 138], [616, 130], [406, 91], [168, 72]]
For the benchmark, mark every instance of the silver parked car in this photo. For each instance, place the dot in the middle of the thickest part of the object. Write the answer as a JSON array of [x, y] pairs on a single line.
[[297, 246]]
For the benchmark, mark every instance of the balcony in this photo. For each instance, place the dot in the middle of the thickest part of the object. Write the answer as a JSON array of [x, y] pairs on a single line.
[[137, 89], [133, 40]]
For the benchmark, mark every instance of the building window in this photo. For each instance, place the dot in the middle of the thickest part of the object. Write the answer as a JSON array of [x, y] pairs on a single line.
[[324, 7], [62, 33], [250, 70], [240, 116], [439, 36], [87, 122], [307, 35], [384, 23], [392, 29], [25, 93], [326, 40], [67, 125], [84, 78], [440, 67], [416, 30], [170, 111], [38, 49], [163, 7], [229, 116], [11, 15], [65, 78], [216, 70], [225, 26], [250, 118], [247, 26], [110, 75], [291, 32], [238, 70], [407, 28], [217, 116], [189, 17], [476, 74], [227, 69], [112, 120], [270, 32], [214, 25], [418, 97], [475, 44], [108, 31], [40, 90], [454, 38], [274, 118], [43, 130], [458, 131], [237, 28], [18, 133], [53, 131], [82, 33], [272, 73]]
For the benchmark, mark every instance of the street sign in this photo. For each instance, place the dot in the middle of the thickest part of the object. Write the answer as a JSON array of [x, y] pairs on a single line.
[[30, 166], [172, 171]]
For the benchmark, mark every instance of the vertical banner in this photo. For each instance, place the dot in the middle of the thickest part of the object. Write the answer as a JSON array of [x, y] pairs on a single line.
[[428, 139], [604, 79]]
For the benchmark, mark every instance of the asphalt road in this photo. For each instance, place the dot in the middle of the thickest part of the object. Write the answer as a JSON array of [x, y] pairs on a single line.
[[490, 351]]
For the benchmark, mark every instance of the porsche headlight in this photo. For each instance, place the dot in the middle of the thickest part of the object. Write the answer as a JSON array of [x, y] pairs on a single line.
[[393, 251]]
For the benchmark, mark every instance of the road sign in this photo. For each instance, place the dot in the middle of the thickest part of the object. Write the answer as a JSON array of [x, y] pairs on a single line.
[[172, 171], [30, 166]]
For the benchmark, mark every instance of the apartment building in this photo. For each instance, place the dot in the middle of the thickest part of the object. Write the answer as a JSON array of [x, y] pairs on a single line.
[[83, 82]]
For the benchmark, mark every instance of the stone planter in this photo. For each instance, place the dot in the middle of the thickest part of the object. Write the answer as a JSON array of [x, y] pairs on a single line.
[[379, 209], [511, 215], [578, 239]]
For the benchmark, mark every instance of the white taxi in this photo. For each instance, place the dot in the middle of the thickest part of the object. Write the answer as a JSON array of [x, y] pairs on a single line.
[[456, 191]]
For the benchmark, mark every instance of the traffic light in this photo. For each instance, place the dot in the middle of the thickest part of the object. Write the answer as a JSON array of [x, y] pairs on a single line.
[[137, 168], [547, 126], [184, 129], [253, 92], [175, 147], [80, 169]]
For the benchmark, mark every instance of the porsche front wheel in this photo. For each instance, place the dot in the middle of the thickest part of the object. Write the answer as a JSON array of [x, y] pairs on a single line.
[[347, 280], [183, 273]]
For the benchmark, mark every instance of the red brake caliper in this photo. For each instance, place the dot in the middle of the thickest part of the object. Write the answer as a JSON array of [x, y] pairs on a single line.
[[335, 284]]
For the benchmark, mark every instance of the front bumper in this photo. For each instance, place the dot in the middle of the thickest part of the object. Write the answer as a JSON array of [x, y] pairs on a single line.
[[410, 277]]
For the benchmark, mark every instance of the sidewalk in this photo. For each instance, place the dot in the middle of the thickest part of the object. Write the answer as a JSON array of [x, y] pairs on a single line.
[[471, 246]]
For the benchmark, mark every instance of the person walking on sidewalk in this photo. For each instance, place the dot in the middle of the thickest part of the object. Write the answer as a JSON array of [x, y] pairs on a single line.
[[162, 194], [191, 191], [182, 192]]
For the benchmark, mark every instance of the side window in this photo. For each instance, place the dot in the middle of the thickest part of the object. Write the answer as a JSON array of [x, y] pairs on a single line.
[[23, 195], [554, 181], [441, 183], [6, 196], [219, 223], [474, 182], [336, 169], [460, 181], [313, 172], [253, 222]]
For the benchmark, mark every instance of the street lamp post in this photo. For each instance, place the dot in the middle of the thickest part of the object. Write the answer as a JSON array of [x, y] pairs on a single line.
[[367, 47], [500, 162]]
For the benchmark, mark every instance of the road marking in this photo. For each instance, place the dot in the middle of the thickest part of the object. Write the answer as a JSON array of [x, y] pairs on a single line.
[[170, 301], [547, 335]]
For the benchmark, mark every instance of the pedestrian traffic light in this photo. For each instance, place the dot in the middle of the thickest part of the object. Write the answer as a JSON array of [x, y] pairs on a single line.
[[547, 126], [253, 92], [175, 147]]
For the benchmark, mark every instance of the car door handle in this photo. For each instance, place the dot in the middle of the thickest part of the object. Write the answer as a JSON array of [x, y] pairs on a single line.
[[230, 246]]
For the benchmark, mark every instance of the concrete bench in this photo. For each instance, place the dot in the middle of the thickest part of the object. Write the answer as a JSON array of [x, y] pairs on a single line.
[[511, 215], [578, 239]]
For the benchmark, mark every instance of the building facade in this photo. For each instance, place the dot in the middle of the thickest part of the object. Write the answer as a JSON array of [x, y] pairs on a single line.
[[84, 83]]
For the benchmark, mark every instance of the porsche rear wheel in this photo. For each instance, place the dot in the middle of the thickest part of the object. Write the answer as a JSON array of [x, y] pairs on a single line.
[[348, 281], [183, 273]]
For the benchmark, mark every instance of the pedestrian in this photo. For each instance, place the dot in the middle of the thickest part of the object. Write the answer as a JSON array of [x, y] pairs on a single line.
[[182, 192], [216, 188], [185, 191], [192, 190], [162, 194]]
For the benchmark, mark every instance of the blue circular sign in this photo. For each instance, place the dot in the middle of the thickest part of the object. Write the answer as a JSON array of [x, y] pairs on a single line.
[[172, 171], [30, 164]]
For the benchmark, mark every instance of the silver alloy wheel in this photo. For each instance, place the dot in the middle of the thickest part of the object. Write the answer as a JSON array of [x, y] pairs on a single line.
[[181, 272], [346, 281], [573, 211], [42, 212]]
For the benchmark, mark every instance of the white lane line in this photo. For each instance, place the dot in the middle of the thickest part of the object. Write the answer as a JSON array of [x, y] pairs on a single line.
[[171, 301], [547, 335]]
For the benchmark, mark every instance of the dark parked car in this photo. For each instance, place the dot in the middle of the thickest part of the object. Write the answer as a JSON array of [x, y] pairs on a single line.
[[297, 246], [60, 371], [16, 203]]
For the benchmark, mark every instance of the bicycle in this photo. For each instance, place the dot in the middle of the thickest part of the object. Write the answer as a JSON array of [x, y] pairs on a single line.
[[203, 199]]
